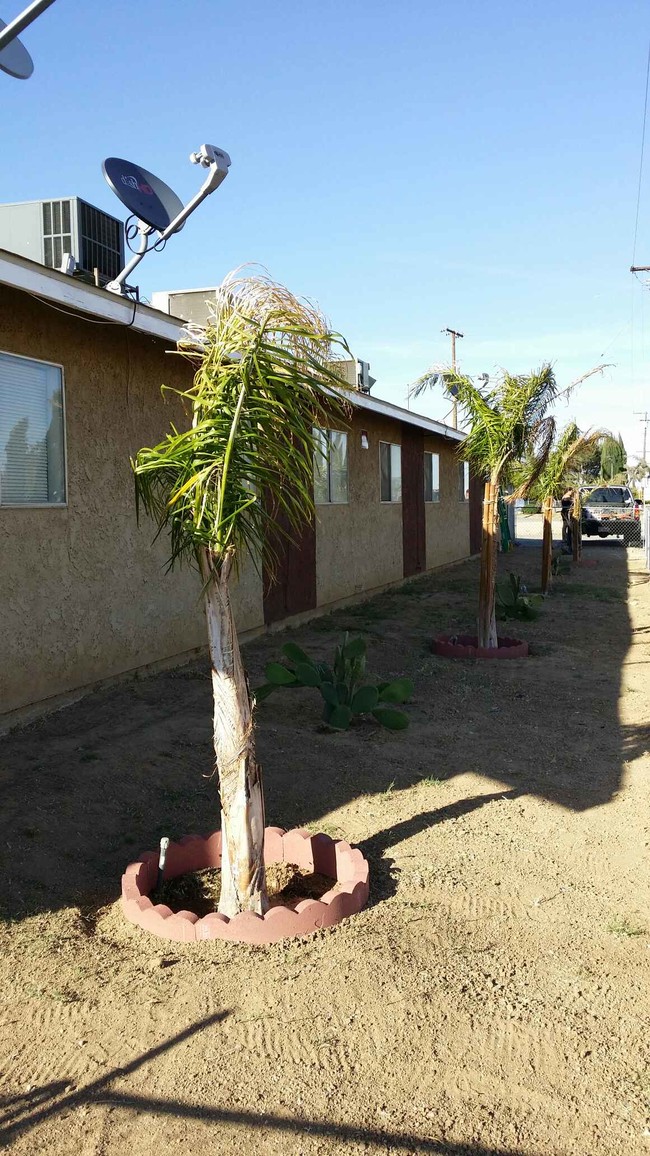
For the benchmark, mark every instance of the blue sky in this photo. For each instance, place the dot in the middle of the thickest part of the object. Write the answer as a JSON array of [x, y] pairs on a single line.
[[409, 166]]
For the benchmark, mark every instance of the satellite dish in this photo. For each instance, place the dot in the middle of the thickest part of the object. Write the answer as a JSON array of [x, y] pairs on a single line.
[[156, 207], [143, 194], [15, 59]]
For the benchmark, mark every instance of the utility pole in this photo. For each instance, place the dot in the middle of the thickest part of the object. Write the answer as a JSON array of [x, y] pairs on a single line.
[[645, 418], [453, 333]]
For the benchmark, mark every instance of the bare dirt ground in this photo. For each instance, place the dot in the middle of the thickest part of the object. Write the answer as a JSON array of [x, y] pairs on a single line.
[[491, 999]]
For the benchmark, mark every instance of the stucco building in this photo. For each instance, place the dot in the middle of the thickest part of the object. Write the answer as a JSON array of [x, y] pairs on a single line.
[[84, 596]]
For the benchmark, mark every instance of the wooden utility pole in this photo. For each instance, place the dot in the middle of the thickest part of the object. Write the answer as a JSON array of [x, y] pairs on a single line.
[[453, 333], [645, 419]]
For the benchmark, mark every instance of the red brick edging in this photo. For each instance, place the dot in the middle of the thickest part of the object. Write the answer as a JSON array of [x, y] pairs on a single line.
[[465, 646], [334, 858]]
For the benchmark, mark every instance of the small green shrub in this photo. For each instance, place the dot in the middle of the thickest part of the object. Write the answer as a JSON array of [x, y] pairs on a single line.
[[342, 688], [514, 601], [560, 564], [620, 925]]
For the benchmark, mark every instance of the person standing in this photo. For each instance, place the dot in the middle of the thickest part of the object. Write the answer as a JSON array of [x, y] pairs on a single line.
[[567, 536]]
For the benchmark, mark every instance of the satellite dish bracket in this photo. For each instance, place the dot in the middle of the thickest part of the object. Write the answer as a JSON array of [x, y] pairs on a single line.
[[208, 156], [14, 57]]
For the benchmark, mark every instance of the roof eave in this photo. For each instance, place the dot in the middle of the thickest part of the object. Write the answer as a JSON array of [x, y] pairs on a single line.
[[70, 294]]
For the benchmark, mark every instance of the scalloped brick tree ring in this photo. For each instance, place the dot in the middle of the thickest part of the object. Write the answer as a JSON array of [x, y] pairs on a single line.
[[465, 646], [336, 859]]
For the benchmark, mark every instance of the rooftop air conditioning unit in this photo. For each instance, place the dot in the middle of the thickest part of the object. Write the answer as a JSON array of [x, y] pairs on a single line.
[[188, 304], [45, 231], [364, 381]]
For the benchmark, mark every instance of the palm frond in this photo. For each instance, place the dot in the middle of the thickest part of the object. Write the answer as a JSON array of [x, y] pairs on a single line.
[[436, 375], [570, 451], [506, 423], [264, 380]]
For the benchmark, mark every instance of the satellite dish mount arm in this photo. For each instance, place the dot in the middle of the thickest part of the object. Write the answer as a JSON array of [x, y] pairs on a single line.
[[27, 17], [217, 162]]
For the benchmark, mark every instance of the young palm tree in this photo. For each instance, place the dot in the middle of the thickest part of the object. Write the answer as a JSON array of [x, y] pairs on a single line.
[[568, 454], [507, 424], [241, 474]]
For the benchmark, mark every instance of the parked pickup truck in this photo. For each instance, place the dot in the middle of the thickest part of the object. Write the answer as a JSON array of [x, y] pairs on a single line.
[[610, 511]]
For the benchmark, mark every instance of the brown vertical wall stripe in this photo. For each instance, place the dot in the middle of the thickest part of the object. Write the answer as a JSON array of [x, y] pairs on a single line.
[[413, 522], [292, 589]]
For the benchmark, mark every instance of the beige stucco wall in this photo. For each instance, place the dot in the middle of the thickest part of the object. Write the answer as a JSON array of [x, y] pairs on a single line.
[[83, 592], [359, 545], [447, 521]]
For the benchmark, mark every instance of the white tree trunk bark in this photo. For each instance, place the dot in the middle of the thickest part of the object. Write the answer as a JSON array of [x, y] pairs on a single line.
[[487, 624], [243, 886]]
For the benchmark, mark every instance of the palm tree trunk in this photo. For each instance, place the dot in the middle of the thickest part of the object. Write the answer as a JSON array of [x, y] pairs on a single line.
[[487, 625], [547, 544], [243, 885]]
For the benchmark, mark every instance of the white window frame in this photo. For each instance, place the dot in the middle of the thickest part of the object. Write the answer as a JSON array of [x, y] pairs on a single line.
[[435, 494], [391, 501], [330, 501], [463, 485], [44, 505]]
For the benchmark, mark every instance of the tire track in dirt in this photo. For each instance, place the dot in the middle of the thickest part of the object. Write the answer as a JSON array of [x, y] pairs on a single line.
[[476, 908], [43, 1041], [306, 1043]]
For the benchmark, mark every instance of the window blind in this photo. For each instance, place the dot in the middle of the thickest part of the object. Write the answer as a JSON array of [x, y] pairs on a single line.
[[32, 468], [431, 477], [390, 472]]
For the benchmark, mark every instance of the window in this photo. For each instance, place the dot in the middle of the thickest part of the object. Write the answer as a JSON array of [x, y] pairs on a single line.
[[390, 469], [431, 477], [463, 481], [610, 495], [32, 460], [330, 467]]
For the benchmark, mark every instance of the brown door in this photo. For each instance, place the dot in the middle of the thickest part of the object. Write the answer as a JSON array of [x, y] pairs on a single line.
[[413, 523], [292, 589]]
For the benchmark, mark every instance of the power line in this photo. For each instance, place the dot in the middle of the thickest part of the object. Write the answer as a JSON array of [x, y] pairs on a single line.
[[645, 117], [625, 325]]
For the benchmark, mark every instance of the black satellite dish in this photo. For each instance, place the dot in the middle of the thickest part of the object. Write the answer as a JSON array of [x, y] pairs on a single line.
[[152, 202], [143, 194], [15, 59]]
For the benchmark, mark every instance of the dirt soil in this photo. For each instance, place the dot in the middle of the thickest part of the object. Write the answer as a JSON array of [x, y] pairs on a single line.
[[199, 891], [493, 997]]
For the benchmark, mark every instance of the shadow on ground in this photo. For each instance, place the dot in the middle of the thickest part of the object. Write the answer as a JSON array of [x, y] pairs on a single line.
[[22, 1113], [88, 788]]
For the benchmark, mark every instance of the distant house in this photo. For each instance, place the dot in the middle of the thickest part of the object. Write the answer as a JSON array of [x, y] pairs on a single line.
[[84, 597]]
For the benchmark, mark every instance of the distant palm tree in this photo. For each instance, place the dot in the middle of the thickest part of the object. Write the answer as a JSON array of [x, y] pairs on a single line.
[[508, 424], [639, 472], [561, 473], [241, 474]]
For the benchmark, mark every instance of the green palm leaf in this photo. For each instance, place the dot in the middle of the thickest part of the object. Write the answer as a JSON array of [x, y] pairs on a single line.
[[265, 377], [570, 451]]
